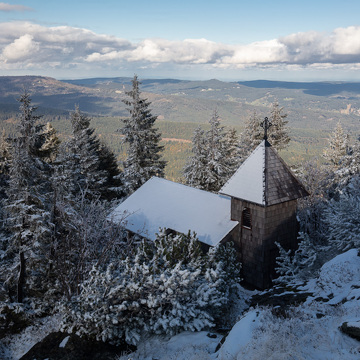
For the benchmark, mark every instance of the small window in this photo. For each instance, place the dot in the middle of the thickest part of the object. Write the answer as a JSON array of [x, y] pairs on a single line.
[[246, 218]]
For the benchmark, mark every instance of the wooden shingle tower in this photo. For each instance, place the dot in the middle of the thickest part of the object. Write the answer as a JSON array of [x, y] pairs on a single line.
[[264, 195]]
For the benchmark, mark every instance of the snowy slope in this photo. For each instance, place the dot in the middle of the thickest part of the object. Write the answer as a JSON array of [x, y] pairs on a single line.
[[309, 331]]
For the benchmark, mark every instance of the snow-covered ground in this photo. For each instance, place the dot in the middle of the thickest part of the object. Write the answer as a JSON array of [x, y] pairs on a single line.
[[308, 331], [15, 346]]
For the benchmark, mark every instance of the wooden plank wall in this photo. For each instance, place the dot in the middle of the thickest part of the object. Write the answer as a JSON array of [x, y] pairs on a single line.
[[257, 249]]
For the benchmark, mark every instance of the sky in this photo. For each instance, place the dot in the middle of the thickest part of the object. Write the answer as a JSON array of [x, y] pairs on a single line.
[[315, 40]]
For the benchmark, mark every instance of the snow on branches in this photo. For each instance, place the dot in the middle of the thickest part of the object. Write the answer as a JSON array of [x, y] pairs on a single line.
[[163, 288]]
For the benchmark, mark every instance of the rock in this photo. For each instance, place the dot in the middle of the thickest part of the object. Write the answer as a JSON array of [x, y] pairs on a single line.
[[352, 329], [279, 297], [61, 346]]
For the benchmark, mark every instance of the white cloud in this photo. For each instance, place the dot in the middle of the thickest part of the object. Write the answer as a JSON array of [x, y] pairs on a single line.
[[346, 41], [9, 7], [22, 48], [26, 45], [265, 52]]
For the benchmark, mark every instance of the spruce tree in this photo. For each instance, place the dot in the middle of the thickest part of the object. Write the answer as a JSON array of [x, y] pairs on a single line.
[[215, 157], [86, 173], [217, 167], [338, 148], [142, 139], [26, 206], [194, 170], [251, 136], [354, 158], [49, 143], [253, 133], [78, 165], [232, 150], [278, 133], [4, 165], [112, 187]]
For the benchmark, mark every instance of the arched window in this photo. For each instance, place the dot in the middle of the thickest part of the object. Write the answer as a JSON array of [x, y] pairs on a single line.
[[246, 218]]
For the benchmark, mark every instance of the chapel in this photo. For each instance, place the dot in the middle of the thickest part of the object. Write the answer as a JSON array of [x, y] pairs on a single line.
[[255, 209]]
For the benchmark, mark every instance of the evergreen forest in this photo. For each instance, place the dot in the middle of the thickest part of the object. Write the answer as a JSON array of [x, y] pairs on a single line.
[[69, 270]]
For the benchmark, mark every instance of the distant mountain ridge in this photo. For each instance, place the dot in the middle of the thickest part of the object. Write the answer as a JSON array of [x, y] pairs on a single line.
[[318, 104]]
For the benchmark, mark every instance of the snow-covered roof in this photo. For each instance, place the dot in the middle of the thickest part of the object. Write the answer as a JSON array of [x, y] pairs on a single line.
[[264, 179], [166, 204]]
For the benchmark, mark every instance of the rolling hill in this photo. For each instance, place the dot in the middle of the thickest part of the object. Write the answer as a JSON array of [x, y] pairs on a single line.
[[313, 108]]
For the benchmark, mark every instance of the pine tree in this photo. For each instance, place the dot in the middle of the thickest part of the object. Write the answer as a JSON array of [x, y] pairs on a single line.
[[318, 180], [217, 165], [113, 187], [5, 160], [232, 150], [342, 217], [354, 158], [161, 288], [253, 133], [85, 174], [215, 156], [49, 143], [278, 133], [28, 218], [338, 146], [251, 136], [302, 264], [142, 138], [78, 165], [194, 170]]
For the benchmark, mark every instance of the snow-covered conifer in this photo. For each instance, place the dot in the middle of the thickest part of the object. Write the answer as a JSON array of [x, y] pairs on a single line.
[[214, 157], [318, 180], [48, 143], [278, 133], [338, 146], [82, 150], [342, 217], [251, 136], [142, 139], [354, 161], [253, 133], [5, 152], [84, 165], [194, 170], [27, 213], [217, 167], [162, 288], [113, 187], [301, 265], [232, 150]]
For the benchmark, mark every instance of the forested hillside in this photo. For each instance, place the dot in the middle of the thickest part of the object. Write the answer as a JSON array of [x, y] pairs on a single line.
[[313, 109]]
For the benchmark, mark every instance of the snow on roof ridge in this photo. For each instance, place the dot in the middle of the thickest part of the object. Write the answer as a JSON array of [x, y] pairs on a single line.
[[260, 147], [190, 188], [243, 164], [264, 178]]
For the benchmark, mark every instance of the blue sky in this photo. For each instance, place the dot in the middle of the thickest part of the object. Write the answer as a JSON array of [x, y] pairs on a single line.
[[230, 40]]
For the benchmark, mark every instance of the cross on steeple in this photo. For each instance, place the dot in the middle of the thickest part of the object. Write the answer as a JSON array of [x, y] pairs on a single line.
[[266, 125]]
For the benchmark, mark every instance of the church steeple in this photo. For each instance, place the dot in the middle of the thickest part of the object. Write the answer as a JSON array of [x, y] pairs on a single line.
[[264, 195], [266, 126], [264, 178]]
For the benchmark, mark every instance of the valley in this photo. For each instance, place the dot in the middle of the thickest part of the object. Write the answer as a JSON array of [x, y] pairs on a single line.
[[313, 109]]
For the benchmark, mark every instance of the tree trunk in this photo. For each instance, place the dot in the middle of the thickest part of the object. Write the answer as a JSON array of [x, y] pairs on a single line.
[[21, 280]]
